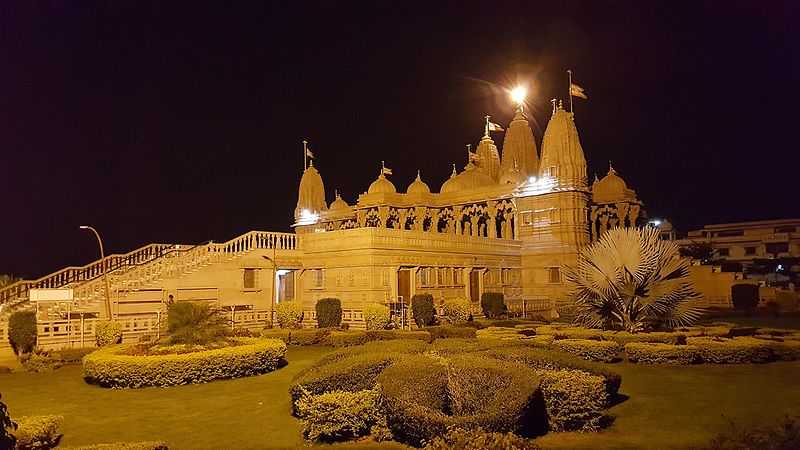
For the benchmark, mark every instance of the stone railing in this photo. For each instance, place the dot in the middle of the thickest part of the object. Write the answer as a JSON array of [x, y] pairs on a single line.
[[74, 275], [526, 307]]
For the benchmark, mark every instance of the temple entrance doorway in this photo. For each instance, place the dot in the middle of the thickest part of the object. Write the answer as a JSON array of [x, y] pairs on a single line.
[[284, 285], [475, 286]]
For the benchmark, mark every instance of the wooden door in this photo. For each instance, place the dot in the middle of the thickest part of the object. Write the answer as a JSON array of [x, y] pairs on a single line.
[[404, 285], [474, 286]]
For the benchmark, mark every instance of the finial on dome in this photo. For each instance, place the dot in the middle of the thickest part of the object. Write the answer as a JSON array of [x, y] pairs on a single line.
[[454, 171], [418, 175], [553, 101], [596, 179], [561, 104], [336, 191], [610, 167]]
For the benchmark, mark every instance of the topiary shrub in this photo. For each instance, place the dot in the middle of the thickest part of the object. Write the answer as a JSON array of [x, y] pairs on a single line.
[[493, 305], [392, 347], [655, 353], [715, 350], [461, 439], [109, 367], [289, 314], [342, 415], [605, 351], [444, 331], [376, 316], [424, 396], [744, 296], [390, 335], [71, 355], [783, 435], [422, 309], [22, 331], [457, 310], [329, 313], [38, 432], [574, 399], [107, 332], [345, 338]]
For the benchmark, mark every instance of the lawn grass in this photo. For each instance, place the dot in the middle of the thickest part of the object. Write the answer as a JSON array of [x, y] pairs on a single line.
[[668, 407]]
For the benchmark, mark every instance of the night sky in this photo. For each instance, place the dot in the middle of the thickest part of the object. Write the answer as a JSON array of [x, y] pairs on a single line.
[[182, 121]]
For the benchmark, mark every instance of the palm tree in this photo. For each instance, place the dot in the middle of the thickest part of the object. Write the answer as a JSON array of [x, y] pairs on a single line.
[[631, 279]]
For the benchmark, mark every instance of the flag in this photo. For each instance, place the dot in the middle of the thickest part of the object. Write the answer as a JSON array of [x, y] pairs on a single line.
[[577, 91], [386, 171], [309, 154], [495, 127]]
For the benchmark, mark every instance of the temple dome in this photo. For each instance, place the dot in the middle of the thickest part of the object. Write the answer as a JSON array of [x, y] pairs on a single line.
[[452, 184], [338, 204], [311, 195], [562, 155], [381, 186], [418, 186], [611, 188], [473, 178], [519, 148]]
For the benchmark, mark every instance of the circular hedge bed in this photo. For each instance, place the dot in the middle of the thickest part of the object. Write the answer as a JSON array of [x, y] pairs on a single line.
[[110, 367]]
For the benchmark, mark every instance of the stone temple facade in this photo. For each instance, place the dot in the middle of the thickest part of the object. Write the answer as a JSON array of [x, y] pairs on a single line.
[[507, 222]]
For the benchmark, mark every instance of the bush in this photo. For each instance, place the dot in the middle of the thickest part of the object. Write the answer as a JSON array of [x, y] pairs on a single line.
[[394, 347], [493, 305], [39, 361], [744, 296], [390, 335], [194, 324], [352, 372], [289, 314], [71, 355], [714, 350], [605, 351], [107, 332], [457, 310], [108, 367], [22, 331], [376, 316], [425, 396], [345, 338], [38, 432], [662, 337], [574, 399], [309, 336], [329, 313], [567, 332], [444, 331], [422, 309], [341, 415], [655, 353], [144, 445], [460, 439]]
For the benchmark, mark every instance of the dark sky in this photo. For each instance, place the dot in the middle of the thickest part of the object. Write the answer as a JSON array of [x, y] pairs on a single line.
[[182, 121]]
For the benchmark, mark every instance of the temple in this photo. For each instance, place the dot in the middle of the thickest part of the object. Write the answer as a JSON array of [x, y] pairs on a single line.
[[508, 222]]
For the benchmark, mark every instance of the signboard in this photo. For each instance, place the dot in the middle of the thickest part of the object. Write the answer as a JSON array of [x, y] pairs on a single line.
[[50, 295]]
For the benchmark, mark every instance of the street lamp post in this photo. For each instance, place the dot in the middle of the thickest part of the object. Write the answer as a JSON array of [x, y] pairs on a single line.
[[273, 294], [105, 268]]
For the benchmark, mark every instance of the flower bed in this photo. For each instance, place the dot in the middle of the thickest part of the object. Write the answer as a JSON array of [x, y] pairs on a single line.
[[110, 367]]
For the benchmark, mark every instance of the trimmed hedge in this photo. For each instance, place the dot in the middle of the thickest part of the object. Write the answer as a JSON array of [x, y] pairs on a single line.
[[493, 304], [351, 373], [731, 351], [143, 445], [376, 316], [37, 432], [107, 332], [289, 314], [307, 336], [605, 351], [574, 399], [341, 415], [422, 309], [107, 367], [460, 439], [655, 353], [444, 332], [71, 355], [329, 313], [540, 359], [420, 391], [391, 335], [393, 347], [345, 338], [22, 331]]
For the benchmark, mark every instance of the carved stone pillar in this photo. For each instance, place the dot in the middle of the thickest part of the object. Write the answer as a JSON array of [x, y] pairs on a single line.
[[491, 210], [383, 214], [457, 219], [361, 217], [473, 226], [419, 215], [434, 220]]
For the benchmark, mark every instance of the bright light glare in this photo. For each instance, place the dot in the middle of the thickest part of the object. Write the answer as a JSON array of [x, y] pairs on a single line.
[[532, 180], [655, 222], [518, 94]]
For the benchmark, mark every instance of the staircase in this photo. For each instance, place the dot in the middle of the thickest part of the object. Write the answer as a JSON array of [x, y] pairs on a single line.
[[140, 268]]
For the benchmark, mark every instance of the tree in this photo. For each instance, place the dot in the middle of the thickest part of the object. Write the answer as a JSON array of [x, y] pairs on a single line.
[[632, 280], [701, 251]]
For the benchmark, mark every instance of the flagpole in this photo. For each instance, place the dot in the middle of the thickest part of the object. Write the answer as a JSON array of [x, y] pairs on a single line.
[[569, 91], [305, 155]]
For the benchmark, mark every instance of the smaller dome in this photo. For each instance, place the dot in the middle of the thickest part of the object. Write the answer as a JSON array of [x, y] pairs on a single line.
[[452, 184], [381, 186], [611, 187], [418, 186], [472, 177], [338, 204]]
